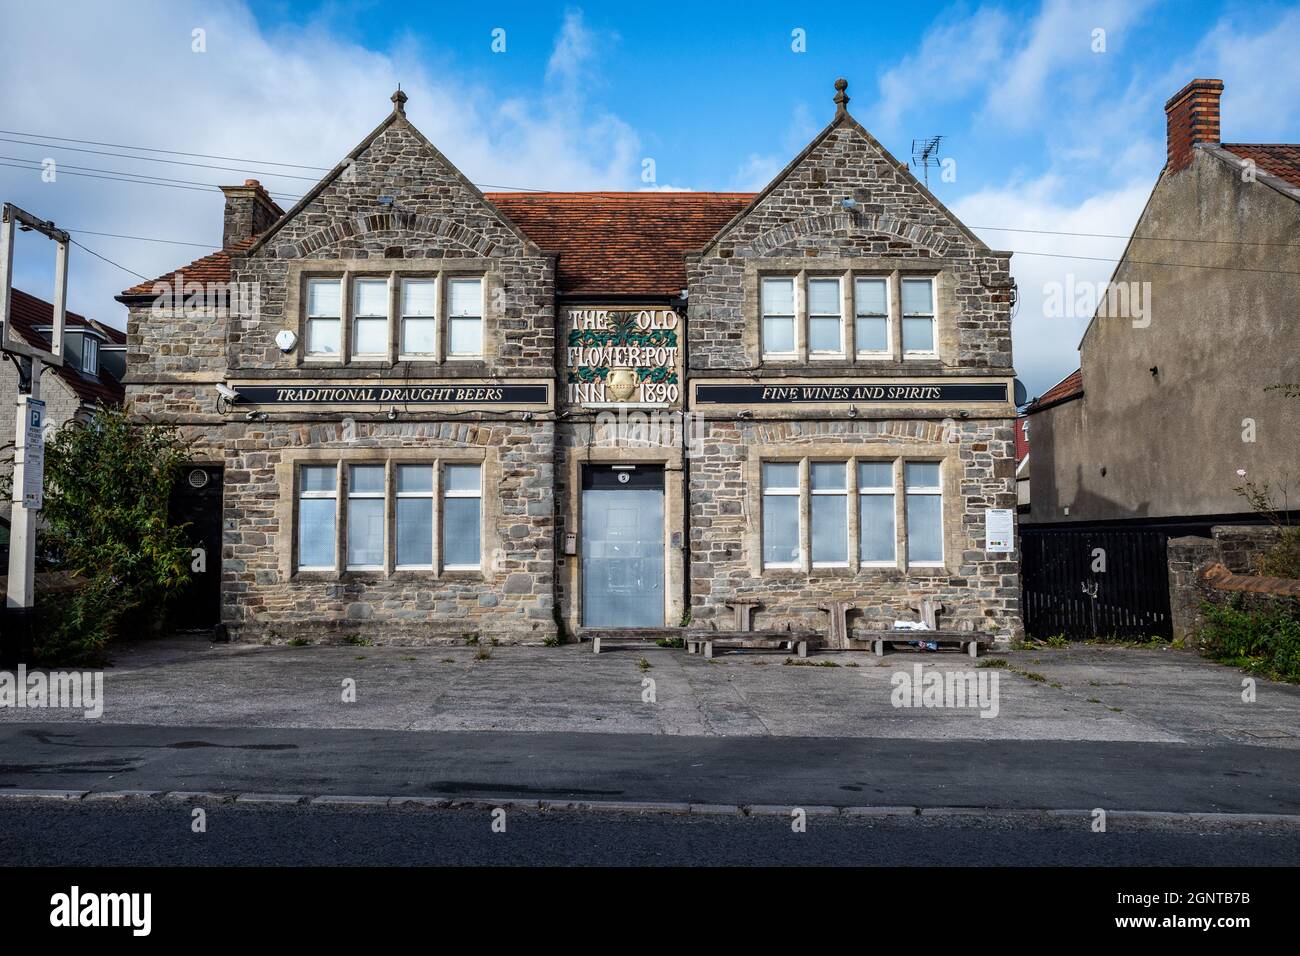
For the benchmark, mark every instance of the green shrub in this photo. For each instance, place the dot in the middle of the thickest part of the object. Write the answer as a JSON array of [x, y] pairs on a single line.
[[1265, 638]]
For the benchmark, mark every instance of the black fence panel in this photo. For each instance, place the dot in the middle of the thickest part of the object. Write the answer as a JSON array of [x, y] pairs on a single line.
[[1095, 583]]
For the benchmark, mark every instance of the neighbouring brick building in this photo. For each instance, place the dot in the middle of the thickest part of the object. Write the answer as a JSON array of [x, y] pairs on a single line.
[[432, 412]]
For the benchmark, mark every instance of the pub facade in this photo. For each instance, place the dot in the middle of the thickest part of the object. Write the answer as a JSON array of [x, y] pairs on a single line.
[[423, 413]]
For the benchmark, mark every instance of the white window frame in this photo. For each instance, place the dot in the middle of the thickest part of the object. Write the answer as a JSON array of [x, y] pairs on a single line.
[[889, 490], [838, 314], [932, 315], [89, 354], [793, 316], [356, 317], [923, 490], [354, 495], [435, 525], [337, 355], [460, 493], [453, 280], [874, 354], [792, 491], [403, 318], [826, 493], [333, 495]]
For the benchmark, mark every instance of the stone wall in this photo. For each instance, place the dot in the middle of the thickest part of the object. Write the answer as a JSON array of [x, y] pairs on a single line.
[[1236, 547]]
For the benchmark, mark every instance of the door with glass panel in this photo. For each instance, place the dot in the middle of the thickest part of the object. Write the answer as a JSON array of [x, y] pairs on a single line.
[[623, 546]]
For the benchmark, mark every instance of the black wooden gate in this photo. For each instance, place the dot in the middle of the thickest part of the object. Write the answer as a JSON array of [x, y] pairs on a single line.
[[1095, 583]]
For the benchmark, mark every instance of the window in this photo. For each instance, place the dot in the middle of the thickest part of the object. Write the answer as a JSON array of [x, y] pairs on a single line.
[[366, 517], [419, 335], [821, 493], [390, 514], [370, 318], [924, 512], [825, 322], [871, 316], [415, 516], [830, 514], [324, 316], [465, 321], [778, 317], [461, 518], [89, 355], [780, 514], [316, 514], [876, 512], [918, 316]]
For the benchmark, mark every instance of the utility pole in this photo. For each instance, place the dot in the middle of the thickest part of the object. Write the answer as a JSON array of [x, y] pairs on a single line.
[[29, 444]]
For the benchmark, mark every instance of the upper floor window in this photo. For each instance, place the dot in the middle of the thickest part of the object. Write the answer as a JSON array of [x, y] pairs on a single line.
[[871, 316], [807, 317], [395, 317], [918, 317], [89, 355], [778, 317], [324, 316]]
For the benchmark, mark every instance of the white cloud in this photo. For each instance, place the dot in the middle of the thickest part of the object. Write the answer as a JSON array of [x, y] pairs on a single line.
[[306, 95], [957, 56], [1045, 349]]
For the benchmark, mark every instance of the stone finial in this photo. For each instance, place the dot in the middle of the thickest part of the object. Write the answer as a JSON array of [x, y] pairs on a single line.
[[841, 98], [399, 101]]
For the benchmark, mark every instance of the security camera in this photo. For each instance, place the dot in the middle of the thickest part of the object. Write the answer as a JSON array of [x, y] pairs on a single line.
[[226, 392], [286, 339]]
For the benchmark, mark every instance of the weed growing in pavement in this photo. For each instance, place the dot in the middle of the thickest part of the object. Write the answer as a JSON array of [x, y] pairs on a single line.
[[298, 642], [992, 662], [643, 664], [484, 653]]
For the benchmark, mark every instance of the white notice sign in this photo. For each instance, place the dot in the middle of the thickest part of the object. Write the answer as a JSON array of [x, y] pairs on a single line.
[[31, 445], [999, 530]]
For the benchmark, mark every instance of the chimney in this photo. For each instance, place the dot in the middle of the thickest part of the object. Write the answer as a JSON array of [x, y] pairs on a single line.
[[249, 212], [1192, 116]]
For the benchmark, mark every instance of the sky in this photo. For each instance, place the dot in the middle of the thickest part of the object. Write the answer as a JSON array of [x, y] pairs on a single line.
[[1051, 113]]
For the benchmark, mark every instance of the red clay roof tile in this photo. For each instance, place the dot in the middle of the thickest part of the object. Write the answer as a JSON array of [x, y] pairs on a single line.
[[1278, 159]]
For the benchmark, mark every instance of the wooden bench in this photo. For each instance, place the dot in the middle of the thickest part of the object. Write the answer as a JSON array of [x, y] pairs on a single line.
[[705, 641], [605, 639], [969, 641]]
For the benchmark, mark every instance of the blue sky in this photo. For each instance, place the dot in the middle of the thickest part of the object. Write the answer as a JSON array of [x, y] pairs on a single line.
[[1046, 131]]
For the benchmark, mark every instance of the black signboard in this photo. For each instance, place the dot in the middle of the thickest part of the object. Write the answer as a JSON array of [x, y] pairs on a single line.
[[326, 394], [954, 393]]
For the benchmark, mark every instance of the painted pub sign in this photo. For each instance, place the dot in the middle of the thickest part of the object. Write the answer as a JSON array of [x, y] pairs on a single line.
[[623, 356]]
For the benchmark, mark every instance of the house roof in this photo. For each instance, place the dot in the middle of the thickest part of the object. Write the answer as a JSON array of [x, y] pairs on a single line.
[[27, 314], [1068, 388], [214, 267], [620, 243], [1277, 159], [609, 243]]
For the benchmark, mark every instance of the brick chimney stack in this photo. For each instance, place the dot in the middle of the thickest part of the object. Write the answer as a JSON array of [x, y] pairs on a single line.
[[249, 211], [1192, 116]]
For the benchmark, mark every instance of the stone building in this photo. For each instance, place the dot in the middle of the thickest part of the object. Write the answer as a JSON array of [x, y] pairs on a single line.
[[433, 412]]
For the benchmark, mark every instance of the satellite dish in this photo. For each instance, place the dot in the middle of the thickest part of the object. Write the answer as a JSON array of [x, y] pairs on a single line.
[[1021, 393]]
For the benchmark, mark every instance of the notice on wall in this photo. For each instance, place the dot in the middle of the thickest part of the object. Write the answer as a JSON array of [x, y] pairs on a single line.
[[29, 446], [628, 355], [999, 530]]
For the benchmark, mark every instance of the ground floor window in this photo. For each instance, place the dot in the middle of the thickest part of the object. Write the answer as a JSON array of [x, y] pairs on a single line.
[[814, 504], [427, 514]]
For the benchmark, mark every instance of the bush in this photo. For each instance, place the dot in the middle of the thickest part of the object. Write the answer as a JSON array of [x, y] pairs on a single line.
[[1265, 638], [1282, 560], [108, 483]]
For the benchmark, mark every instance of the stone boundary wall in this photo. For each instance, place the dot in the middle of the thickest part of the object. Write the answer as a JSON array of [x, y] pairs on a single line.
[[1234, 547]]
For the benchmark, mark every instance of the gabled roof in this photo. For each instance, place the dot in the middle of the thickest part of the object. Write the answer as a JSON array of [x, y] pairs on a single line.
[[1067, 389], [1277, 159], [621, 243], [27, 314]]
